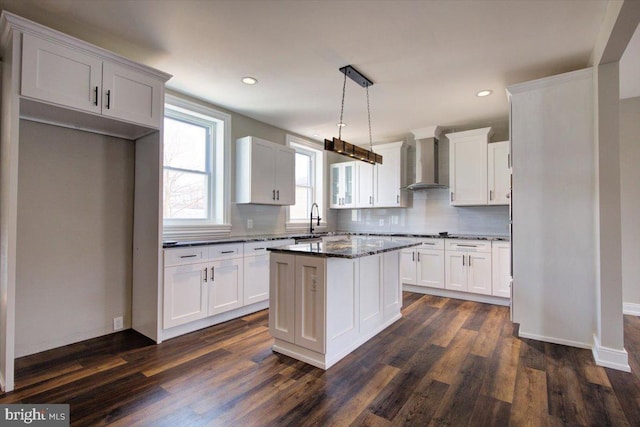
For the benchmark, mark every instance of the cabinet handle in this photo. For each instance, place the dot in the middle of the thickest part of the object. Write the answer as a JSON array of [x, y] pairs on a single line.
[[463, 260], [452, 196], [413, 256], [427, 243], [273, 196], [205, 274], [397, 198], [490, 194], [188, 256], [370, 200], [418, 256], [212, 276], [469, 260], [277, 194], [258, 249], [227, 252], [508, 195], [466, 246], [96, 93], [108, 99]]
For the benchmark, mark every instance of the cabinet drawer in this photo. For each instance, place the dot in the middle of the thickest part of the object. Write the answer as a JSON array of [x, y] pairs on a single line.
[[431, 244], [184, 256], [468, 245], [225, 251], [260, 248]]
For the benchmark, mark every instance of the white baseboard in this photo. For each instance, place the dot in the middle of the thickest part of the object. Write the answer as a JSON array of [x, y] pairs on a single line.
[[487, 299], [610, 357], [631, 308], [554, 340]]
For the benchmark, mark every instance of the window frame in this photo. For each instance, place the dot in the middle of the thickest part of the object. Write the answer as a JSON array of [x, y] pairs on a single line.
[[218, 158], [318, 162]]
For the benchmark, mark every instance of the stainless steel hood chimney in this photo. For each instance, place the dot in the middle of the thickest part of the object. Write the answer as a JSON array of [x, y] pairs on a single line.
[[427, 172]]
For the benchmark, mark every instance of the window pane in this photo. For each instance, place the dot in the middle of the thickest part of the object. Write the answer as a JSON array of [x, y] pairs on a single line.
[[185, 195], [303, 169], [302, 208], [185, 145]]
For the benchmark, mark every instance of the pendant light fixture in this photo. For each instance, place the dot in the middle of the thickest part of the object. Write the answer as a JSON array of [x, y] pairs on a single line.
[[338, 145]]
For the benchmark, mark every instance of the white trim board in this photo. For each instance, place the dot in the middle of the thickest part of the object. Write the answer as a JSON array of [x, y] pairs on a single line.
[[610, 357], [631, 308]]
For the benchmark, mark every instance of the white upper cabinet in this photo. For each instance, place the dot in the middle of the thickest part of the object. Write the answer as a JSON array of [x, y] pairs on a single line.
[[499, 173], [265, 172], [343, 185], [468, 167], [70, 77], [390, 176], [364, 185]]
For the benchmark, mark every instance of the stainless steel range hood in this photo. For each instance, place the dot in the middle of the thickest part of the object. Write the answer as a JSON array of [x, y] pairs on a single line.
[[427, 172]]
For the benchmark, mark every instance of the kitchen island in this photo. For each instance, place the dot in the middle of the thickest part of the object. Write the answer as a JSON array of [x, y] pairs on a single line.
[[328, 298]]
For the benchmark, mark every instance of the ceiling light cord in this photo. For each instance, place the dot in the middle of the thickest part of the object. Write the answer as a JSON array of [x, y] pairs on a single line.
[[369, 117], [341, 123]]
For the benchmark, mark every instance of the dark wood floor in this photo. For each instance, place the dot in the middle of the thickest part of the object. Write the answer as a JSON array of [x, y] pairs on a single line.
[[446, 362]]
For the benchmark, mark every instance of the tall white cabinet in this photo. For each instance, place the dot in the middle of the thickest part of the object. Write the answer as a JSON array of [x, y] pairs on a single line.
[[468, 166], [52, 78]]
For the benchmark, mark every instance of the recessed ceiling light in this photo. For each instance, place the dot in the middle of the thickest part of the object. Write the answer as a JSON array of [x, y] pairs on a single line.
[[316, 135], [484, 93], [249, 80], [341, 125]]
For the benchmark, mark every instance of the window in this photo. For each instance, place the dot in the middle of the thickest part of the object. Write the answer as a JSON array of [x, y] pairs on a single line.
[[309, 182], [196, 169]]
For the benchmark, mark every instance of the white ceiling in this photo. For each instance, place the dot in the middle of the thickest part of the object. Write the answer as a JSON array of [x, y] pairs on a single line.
[[427, 58]]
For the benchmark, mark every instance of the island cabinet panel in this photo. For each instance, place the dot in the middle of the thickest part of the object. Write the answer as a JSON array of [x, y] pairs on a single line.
[[343, 320], [391, 285], [310, 303], [281, 297], [370, 292]]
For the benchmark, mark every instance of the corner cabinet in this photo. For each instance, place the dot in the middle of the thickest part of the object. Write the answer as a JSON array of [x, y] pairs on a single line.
[[358, 184], [265, 172], [63, 75], [423, 265], [468, 167]]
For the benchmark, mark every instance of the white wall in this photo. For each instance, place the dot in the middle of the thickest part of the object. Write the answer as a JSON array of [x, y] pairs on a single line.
[[630, 201], [75, 209]]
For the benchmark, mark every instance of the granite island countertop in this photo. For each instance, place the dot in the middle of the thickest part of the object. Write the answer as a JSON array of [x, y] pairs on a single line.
[[269, 237], [349, 247]]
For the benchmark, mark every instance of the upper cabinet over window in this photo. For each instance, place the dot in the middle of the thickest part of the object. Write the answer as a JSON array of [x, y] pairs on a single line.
[[265, 172]]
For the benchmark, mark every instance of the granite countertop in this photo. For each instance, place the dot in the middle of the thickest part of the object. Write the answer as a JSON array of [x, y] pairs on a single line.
[[268, 237], [349, 247]]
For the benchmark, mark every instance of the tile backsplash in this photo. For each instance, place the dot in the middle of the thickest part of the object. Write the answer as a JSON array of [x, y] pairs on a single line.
[[430, 213]]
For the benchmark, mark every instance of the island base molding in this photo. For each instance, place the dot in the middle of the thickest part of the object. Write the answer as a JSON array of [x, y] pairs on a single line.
[[487, 299], [325, 361]]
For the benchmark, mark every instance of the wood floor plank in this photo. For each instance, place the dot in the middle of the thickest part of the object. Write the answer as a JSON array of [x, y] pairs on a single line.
[[446, 362]]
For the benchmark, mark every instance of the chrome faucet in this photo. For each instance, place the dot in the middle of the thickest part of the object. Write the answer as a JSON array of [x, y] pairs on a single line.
[[311, 218]]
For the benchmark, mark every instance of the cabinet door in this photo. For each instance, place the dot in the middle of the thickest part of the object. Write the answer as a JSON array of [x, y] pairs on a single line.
[[336, 197], [262, 172], [285, 176], [225, 286], [455, 271], [256, 279], [131, 96], [387, 178], [281, 297], [364, 185], [499, 172], [349, 185], [185, 294], [310, 303], [500, 269], [430, 268], [408, 266], [468, 170], [479, 273], [58, 74]]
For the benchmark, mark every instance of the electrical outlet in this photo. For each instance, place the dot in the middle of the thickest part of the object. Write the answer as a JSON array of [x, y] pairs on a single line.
[[117, 323], [381, 222], [249, 224]]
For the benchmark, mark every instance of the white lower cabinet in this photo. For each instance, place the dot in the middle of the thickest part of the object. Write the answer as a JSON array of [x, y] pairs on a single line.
[[225, 285], [185, 294], [501, 269], [468, 266], [256, 269], [424, 265]]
